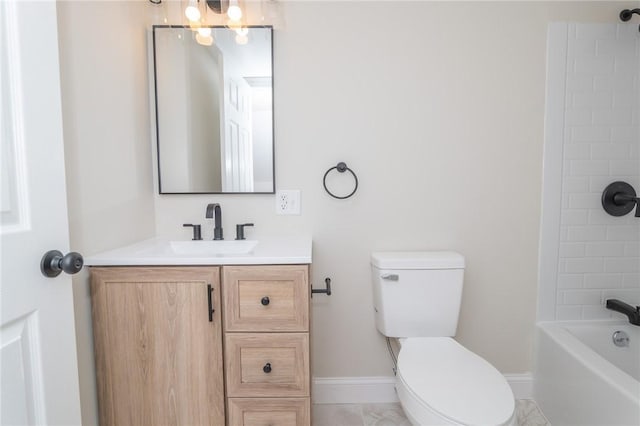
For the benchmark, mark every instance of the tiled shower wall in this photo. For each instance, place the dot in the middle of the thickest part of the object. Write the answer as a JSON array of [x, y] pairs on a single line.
[[599, 255]]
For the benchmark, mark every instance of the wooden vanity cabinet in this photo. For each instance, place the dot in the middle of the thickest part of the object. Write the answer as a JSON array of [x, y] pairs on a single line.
[[158, 351], [266, 335], [159, 333]]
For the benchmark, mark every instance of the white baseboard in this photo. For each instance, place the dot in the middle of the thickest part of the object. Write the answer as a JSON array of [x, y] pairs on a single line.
[[377, 390]]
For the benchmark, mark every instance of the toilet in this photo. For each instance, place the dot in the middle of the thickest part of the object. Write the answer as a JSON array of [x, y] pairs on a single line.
[[416, 298]]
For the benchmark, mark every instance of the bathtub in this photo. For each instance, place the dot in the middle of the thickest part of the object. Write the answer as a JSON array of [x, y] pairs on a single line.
[[582, 378]]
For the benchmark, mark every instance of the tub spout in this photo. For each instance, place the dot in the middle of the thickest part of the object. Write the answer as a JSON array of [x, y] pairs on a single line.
[[619, 306]]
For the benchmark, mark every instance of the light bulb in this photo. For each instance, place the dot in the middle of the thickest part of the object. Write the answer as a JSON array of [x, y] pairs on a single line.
[[204, 40], [242, 39], [191, 12], [234, 12], [204, 31]]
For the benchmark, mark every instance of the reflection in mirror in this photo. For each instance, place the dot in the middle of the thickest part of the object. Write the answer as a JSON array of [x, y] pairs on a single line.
[[214, 111]]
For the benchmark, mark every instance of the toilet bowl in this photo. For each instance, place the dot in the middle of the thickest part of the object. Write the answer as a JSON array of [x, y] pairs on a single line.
[[439, 382]]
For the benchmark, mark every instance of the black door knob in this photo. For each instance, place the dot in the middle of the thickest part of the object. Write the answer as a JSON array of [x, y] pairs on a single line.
[[265, 301], [267, 368], [53, 263]]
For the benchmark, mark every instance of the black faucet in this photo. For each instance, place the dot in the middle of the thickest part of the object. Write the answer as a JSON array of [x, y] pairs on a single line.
[[624, 308], [214, 212]]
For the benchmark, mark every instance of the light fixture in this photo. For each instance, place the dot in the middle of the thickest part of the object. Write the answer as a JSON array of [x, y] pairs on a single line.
[[205, 40]]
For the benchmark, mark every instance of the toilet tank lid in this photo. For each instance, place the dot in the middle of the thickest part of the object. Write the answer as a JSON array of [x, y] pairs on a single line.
[[417, 260]]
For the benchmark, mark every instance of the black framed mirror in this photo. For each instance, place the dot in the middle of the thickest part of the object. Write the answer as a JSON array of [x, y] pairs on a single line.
[[214, 109]]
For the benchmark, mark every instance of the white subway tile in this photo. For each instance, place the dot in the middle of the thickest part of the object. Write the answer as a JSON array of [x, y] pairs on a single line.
[[597, 65], [595, 312], [623, 232], [585, 201], [603, 281], [577, 151], [616, 47], [624, 167], [578, 117], [574, 217], [564, 233], [614, 117], [562, 265], [604, 249], [582, 297], [600, 217], [586, 233], [612, 82], [582, 46], [609, 151], [625, 134], [631, 280], [589, 167], [585, 265], [572, 250], [579, 82], [574, 281], [622, 264], [568, 313], [599, 99], [624, 65], [590, 134], [599, 183], [576, 184], [628, 99], [595, 31], [632, 249]]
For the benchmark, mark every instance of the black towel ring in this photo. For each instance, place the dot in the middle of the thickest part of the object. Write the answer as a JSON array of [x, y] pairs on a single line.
[[340, 167]]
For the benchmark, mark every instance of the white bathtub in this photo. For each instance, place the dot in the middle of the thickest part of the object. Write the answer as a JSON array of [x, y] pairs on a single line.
[[582, 378]]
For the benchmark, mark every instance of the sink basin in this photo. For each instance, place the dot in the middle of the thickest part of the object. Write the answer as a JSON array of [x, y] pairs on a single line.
[[213, 248]]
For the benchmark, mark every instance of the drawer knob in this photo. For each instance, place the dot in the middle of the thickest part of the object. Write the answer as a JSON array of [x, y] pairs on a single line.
[[265, 301], [267, 368]]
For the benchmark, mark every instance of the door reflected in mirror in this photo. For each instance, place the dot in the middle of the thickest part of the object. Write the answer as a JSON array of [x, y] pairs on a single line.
[[214, 110]]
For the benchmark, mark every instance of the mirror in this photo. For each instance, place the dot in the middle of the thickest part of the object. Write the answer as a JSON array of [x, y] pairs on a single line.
[[214, 110]]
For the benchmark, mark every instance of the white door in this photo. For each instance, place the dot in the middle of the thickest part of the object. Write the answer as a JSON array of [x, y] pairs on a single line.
[[39, 373]]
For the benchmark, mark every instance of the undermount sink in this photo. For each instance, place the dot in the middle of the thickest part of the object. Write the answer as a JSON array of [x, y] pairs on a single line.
[[213, 248]]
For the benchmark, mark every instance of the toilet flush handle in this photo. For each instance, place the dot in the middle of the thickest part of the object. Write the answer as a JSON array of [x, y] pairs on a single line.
[[390, 277]]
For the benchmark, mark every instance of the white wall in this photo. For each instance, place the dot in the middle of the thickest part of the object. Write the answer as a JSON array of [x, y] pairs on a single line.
[[440, 113], [107, 150], [597, 134]]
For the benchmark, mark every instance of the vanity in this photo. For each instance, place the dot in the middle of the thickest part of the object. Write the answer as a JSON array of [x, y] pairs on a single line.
[[203, 332]]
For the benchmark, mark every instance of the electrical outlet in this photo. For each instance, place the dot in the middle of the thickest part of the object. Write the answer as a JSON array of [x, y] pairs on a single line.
[[288, 201]]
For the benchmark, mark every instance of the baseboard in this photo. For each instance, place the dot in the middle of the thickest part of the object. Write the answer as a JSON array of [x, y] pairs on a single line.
[[377, 390]]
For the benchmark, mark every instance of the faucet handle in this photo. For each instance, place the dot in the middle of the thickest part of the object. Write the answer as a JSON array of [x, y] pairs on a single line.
[[240, 230], [197, 232]]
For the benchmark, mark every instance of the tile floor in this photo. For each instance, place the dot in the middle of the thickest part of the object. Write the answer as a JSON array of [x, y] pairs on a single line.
[[392, 415]]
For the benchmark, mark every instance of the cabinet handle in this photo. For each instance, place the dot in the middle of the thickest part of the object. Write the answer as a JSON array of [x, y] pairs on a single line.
[[265, 301], [267, 368], [210, 298]]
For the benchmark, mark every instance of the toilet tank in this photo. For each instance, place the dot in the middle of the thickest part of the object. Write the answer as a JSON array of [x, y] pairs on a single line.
[[417, 294]]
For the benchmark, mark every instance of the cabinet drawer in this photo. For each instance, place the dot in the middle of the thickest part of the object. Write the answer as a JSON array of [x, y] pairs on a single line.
[[266, 298], [267, 364], [269, 411]]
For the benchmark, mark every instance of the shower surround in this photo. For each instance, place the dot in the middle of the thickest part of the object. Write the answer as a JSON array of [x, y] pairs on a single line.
[[592, 139]]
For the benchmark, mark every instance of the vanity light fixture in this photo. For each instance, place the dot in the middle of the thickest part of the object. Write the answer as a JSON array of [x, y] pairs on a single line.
[[234, 12]]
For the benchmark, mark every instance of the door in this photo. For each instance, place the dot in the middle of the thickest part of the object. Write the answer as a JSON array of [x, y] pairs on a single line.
[[38, 369], [158, 345]]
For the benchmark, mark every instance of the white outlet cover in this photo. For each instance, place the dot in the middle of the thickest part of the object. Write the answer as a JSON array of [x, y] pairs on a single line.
[[288, 202]]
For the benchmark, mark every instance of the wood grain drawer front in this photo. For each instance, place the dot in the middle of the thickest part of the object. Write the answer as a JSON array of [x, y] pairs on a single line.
[[269, 412], [267, 364], [266, 298]]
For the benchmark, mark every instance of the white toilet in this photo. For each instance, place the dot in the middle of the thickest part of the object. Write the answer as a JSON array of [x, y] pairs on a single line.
[[417, 298]]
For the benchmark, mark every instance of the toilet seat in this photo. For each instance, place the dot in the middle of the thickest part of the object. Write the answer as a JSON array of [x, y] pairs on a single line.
[[439, 377]]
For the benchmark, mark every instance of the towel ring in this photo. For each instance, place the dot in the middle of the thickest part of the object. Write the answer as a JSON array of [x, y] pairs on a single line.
[[340, 167]]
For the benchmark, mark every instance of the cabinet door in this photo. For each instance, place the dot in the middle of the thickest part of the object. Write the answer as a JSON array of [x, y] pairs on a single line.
[[266, 298], [158, 351]]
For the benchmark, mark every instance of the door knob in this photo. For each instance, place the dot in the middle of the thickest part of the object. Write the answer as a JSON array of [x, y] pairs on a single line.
[[53, 263]]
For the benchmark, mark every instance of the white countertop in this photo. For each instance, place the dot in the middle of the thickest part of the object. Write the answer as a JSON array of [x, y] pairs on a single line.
[[158, 251]]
